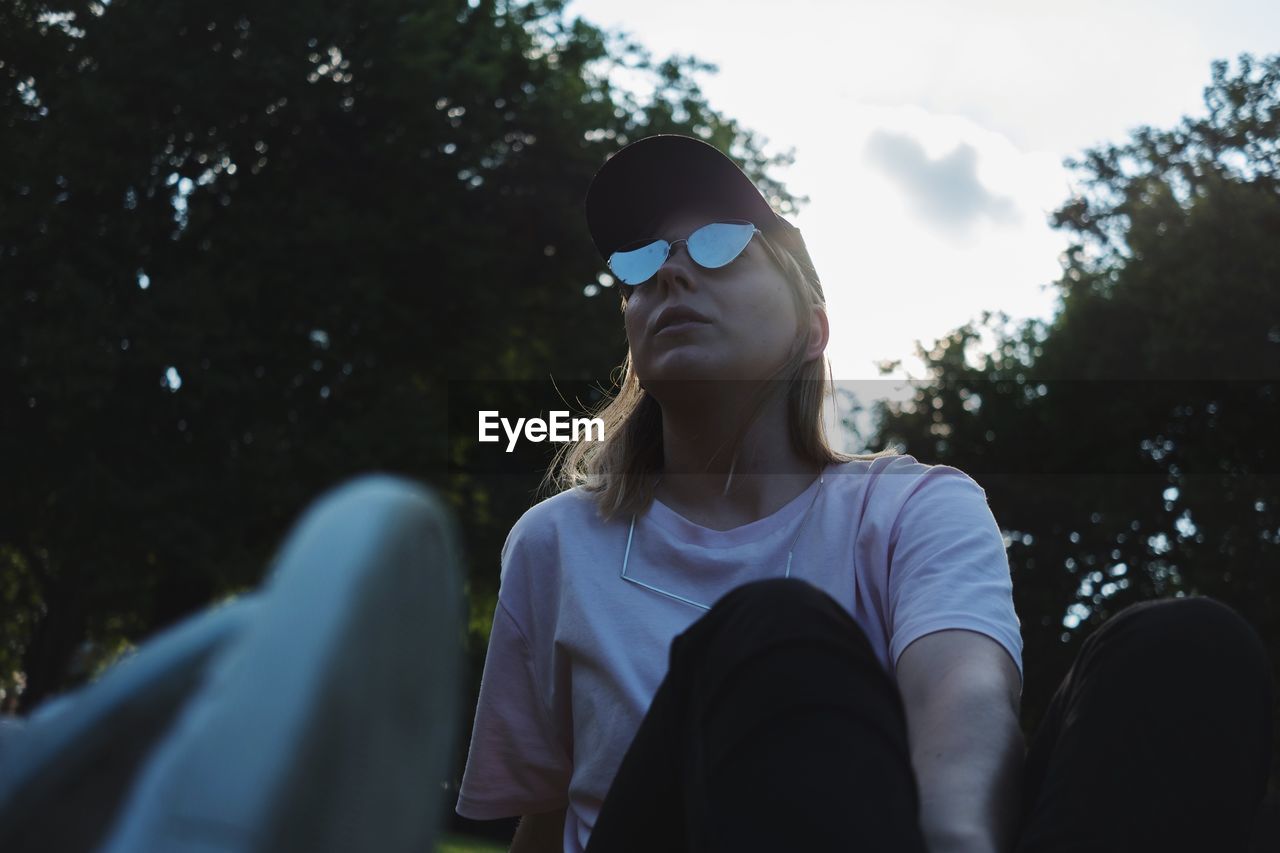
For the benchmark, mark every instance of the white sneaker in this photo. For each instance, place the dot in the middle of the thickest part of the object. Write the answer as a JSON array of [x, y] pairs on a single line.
[[328, 724]]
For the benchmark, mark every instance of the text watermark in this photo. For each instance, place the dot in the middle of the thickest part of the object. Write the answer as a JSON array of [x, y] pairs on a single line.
[[560, 428]]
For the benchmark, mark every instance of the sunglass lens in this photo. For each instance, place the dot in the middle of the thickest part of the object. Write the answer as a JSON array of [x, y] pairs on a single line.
[[638, 265], [717, 244]]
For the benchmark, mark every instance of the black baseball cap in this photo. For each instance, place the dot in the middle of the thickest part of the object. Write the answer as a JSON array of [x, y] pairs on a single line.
[[644, 181]]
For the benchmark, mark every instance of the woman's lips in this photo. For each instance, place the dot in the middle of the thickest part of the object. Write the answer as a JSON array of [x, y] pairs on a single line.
[[675, 314], [680, 326]]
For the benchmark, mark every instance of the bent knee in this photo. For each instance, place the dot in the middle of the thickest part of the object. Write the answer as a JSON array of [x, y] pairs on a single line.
[[1199, 617], [1195, 628], [773, 611], [782, 601]]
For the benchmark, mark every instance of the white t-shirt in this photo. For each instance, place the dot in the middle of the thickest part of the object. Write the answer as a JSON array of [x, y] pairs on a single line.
[[577, 653]]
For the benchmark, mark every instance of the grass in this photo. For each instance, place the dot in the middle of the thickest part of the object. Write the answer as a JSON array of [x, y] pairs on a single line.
[[463, 844]]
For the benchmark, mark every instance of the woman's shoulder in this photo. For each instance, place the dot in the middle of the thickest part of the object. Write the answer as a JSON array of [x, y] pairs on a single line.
[[572, 508], [892, 464], [532, 556], [899, 475], [571, 513]]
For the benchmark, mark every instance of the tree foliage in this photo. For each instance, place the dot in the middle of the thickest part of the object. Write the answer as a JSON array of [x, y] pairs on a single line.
[[247, 251], [1127, 446]]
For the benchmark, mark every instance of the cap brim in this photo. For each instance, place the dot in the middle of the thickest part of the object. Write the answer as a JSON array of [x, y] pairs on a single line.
[[652, 178]]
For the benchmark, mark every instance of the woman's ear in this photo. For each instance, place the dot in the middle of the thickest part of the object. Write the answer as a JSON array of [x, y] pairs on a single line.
[[819, 333]]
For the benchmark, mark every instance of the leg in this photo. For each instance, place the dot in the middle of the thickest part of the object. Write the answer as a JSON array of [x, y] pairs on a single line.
[[329, 722], [776, 728], [1159, 737], [66, 769]]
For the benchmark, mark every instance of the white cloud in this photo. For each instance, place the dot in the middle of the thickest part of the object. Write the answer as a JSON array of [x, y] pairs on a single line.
[[944, 192], [891, 276]]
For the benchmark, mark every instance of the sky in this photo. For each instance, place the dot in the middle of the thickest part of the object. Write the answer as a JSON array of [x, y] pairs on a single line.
[[930, 136]]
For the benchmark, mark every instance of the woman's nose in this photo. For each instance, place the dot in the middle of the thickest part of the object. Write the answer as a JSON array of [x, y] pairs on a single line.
[[677, 268]]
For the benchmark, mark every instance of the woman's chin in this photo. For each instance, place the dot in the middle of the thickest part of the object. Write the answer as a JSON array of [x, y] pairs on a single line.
[[698, 381], [674, 367], [692, 363]]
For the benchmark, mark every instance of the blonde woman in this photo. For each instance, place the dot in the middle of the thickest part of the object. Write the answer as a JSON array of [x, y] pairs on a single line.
[[723, 635]]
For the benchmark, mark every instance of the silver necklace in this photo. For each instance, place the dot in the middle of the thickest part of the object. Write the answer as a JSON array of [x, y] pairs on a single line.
[[631, 533]]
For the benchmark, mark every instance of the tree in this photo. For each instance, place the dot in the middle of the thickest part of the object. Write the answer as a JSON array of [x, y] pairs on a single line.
[[247, 252], [1127, 446]]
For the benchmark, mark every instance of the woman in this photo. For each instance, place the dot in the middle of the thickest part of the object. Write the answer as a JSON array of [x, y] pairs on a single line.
[[723, 635]]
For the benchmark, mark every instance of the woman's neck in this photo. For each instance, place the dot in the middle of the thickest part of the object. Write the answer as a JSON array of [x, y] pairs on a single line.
[[763, 476]]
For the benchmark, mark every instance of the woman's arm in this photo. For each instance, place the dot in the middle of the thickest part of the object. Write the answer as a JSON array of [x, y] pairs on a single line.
[[960, 690], [540, 833]]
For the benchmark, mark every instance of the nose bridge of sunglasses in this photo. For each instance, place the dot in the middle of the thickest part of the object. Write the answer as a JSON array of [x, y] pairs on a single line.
[[672, 248], [675, 245]]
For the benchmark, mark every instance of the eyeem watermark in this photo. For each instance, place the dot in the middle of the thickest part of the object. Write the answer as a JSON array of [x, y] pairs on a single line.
[[559, 428]]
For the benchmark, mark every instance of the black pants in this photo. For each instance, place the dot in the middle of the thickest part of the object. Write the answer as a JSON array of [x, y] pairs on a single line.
[[777, 729]]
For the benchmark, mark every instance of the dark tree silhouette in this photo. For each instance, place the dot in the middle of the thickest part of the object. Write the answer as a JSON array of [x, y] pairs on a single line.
[[248, 251], [1128, 446]]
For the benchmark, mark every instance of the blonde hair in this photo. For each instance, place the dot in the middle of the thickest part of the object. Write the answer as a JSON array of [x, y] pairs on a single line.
[[620, 470]]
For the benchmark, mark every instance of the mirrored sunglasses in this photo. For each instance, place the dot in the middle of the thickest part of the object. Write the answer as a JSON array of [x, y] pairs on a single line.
[[711, 246]]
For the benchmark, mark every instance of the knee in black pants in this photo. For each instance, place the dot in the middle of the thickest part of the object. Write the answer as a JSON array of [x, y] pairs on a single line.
[[1200, 653], [776, 728], [792, 715], [1169, 706], [755, 616], [777, 647], [1199, 635]]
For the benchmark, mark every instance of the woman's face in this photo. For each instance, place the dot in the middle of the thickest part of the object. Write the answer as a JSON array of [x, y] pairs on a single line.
[[748, 319]]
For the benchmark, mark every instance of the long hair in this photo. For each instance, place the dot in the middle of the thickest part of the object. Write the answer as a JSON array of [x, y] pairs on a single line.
[[620, 470]]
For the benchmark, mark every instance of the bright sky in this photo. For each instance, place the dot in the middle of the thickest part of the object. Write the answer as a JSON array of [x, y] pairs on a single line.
[[929, 136]]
